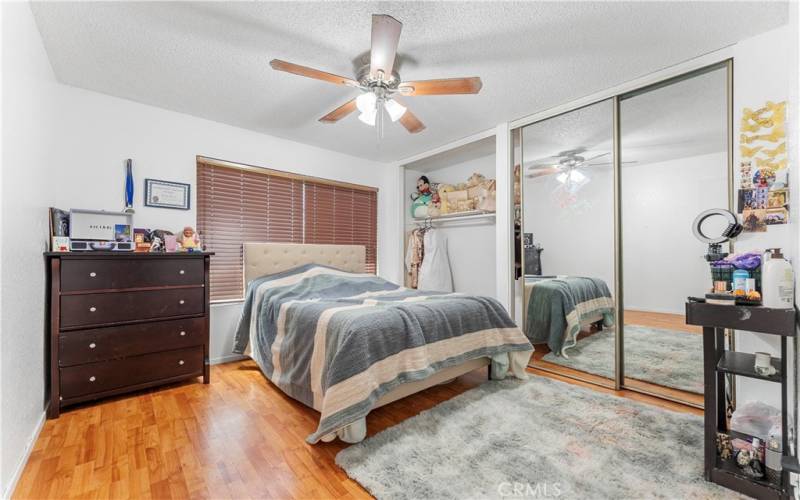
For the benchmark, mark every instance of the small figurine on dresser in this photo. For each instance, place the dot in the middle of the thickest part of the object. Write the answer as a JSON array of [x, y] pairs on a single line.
[[158, 239], [189, 240]]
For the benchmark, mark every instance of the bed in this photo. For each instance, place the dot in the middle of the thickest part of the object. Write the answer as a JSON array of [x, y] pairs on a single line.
[[345, 342], [557, 308]]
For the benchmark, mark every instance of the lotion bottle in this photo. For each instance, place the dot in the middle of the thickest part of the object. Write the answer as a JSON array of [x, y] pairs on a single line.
[[777, 281]]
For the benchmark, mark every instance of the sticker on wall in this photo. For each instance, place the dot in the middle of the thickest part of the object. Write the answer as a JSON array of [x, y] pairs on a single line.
[[764, 194], [777, 198], [747, 200], [777, 216], [754, 221]]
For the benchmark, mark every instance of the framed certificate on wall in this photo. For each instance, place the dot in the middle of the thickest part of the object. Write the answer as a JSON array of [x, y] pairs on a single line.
[[166, 194]]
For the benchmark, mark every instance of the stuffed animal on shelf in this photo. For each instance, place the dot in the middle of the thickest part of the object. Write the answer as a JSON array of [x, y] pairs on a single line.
[[475, 179], [487, 199], [422, 199], [189, 240], [444, 194]]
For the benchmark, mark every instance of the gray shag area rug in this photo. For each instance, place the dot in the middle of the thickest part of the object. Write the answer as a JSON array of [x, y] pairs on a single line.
[[538, 438], [665, 357]]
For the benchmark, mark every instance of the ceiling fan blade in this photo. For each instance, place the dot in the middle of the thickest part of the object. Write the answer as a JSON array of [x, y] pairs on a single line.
[[539, 172], [340, 112], [587, 160], [385, 37], [411, 122], [546, 164], [607, 164], [471, 85], [296, 69]]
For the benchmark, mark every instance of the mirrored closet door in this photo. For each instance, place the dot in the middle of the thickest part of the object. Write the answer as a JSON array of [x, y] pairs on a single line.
[[606, 256], [567, 211], [674, 152]]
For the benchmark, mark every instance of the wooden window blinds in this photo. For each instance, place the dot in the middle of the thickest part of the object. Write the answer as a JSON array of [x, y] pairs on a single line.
[[241, 204]]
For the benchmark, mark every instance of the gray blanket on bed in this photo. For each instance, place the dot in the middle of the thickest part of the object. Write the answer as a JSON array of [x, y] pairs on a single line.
[[338, 341], [557, 307]]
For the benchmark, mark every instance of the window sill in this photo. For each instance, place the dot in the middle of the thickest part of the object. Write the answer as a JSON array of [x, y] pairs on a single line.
[[227, 302]]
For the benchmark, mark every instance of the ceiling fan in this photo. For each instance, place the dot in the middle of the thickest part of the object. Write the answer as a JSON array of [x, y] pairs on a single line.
[[380, 83]]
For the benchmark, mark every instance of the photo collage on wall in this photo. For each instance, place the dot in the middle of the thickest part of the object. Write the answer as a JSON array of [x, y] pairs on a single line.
[[764, 189]]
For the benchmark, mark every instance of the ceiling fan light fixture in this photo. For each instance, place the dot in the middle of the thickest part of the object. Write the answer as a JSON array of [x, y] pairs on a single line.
[[395, 109], [570, 176], [366, 103], [368, 116]]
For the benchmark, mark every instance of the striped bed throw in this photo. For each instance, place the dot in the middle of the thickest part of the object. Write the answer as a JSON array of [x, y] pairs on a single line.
[[338, 341], [557, 307]]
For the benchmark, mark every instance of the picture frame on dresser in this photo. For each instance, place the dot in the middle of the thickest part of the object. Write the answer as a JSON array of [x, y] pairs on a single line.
[[122, 322]]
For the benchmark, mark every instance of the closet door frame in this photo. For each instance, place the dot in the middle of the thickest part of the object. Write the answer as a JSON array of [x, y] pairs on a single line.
[[617, 98]]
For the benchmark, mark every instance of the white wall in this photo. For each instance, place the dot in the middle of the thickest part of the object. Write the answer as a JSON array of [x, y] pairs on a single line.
[[764, 70], [28, 105], [578, 239], [662, 259], [471, 243], [66, 148]]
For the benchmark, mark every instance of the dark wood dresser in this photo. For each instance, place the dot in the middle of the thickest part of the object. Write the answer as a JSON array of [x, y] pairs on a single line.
[[122, 321]]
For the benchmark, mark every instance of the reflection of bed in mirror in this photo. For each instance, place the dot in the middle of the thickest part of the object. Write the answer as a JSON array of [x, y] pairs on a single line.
[[557, 308]]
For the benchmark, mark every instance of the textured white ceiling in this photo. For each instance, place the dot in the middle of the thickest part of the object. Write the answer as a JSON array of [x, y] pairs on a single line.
[[211, 59], [681, 120]]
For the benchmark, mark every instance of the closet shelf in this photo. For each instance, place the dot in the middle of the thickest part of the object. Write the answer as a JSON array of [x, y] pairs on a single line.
[[470, 215]]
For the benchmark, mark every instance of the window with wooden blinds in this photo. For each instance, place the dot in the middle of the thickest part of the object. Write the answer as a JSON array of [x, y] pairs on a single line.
[[238, 204], [342, 216]]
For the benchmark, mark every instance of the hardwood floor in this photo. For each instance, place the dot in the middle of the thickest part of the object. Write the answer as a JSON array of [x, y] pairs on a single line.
[[660, 320], [238, 437], [644, 318]]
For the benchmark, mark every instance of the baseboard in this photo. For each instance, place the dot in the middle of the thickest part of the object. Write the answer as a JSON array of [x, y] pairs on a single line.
[[226, 359], [12, 485]]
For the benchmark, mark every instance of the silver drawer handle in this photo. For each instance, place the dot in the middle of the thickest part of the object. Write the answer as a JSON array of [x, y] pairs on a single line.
[[92, 379], [92, 274], [183, 334], [181, 302], [92, 345], [181, 272], [180, 362], [92, 309]]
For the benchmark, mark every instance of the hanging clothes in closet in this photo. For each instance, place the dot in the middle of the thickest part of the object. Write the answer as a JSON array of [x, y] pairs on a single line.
[[426, 260], [434, 273], [414, 254]]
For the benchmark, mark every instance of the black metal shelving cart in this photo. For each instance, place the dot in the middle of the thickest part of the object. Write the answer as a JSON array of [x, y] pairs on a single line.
[[718, 361]]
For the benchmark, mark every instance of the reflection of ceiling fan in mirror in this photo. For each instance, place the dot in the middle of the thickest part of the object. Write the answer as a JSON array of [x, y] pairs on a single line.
[[571, 170], [570, 165], [380, 83]]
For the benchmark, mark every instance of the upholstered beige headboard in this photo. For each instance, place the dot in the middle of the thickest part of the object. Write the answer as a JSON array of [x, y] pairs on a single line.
[[269, 258]]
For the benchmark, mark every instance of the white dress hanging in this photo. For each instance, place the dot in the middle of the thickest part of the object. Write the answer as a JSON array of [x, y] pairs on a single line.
[[435, 274]]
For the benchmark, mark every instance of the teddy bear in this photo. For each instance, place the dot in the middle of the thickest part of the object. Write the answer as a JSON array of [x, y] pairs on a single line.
[[444, 205]]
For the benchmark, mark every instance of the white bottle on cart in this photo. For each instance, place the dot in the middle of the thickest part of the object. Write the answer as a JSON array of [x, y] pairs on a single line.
[[777, 280]]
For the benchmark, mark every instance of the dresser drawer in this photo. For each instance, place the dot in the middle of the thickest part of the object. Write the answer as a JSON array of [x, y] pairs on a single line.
[[93, 309], [109, 375], [105, 274], [100, 344]]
